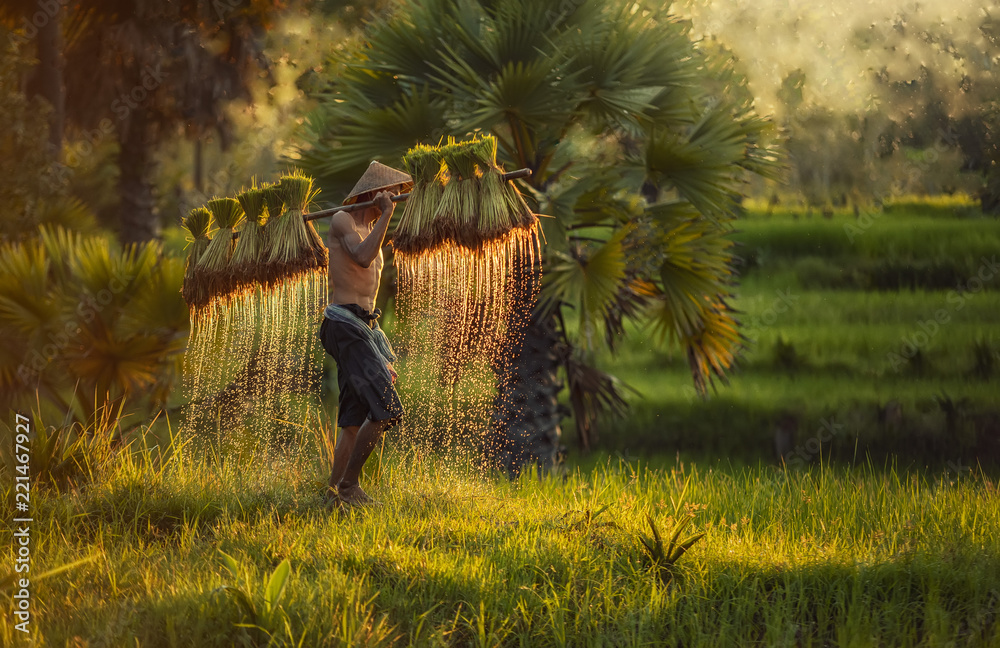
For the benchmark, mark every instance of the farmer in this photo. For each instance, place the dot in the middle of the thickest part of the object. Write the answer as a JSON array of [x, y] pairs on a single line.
[[350, 332]]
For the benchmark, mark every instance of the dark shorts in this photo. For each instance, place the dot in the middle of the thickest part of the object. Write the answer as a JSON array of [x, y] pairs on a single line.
[[366, 389]]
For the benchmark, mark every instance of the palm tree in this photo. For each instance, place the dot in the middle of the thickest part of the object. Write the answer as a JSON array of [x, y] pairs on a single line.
[[608, 104], [86, 325]]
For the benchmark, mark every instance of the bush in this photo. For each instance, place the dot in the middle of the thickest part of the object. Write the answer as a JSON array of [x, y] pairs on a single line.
[[86, 324]]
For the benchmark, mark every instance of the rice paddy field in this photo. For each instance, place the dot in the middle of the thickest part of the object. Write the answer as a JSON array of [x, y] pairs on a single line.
[[880, 528], [886, 324], [168, 550]]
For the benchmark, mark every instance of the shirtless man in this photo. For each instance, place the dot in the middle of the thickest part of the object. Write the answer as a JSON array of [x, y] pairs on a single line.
[[350, 333]]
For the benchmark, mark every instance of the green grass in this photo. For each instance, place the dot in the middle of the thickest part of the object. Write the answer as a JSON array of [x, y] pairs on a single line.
[[903, 246], [453, 558], [834, 355], [186, 550], [826, 344]]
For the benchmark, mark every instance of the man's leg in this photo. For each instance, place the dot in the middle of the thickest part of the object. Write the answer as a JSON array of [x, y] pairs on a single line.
[[368, 436], [341, 454]]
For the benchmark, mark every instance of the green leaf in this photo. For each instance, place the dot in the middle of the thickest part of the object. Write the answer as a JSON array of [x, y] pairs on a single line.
[[241, 599], [276, 585], [589, 282], [657, 544], [10, 579], [231, 564], [678, 528], [682, 548]]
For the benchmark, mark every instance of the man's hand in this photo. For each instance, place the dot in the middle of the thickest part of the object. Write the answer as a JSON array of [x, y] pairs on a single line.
[[392, 372], [383, 200]]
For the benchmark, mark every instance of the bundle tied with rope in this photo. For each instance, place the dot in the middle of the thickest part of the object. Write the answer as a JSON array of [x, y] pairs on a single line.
[[466, 252], [256, 289], [197, 223], [302, 248], [246, 269], [414, 231], [213, 271], [459, 197]]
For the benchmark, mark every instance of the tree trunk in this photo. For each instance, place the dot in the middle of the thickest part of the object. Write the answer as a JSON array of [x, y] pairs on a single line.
[[137, 220], [48, 77], [199, 174], [525, 427]]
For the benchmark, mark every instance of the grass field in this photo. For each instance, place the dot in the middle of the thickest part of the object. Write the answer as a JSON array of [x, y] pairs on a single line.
[[195, 552], [842, 546], [848, 317]]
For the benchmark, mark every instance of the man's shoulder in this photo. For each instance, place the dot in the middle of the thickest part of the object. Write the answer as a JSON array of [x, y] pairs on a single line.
[[341, 223]]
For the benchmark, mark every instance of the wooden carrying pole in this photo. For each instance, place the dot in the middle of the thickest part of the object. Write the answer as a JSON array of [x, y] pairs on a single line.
[[520, 173], [512, 175]]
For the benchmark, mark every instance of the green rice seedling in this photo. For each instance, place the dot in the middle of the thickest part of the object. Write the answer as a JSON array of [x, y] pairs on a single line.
[[298, 192], [518, 208], [197, 223], [213, 266], [457, 215], [274, 202], [246, 266], [495, 216], [290, 248], [425, 166]]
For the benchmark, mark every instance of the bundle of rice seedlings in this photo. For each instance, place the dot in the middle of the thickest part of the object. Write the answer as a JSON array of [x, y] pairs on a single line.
[[414, 231], [457, 215], [270, 271], [246, 267], [213, 266], [521, 215], [298, 192], [290, 250], [197, 224], [495, 216], [274, 200]]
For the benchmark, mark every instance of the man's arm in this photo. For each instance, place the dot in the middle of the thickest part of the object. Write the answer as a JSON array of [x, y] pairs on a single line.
[[363, 251]]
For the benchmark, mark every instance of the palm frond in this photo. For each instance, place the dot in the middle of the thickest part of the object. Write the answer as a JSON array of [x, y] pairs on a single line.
[[587, 280]]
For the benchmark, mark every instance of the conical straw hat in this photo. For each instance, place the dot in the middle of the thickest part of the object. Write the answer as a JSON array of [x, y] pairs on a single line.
[[379, 176]]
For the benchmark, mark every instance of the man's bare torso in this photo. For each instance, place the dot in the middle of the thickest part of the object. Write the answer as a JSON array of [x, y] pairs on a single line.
[[351, 283]]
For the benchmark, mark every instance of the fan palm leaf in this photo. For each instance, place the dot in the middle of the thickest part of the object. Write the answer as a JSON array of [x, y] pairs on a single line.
[[88, 323]]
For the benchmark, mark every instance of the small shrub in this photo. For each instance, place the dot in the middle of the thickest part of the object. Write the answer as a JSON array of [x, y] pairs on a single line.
[[70, 455], [662, 558]]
